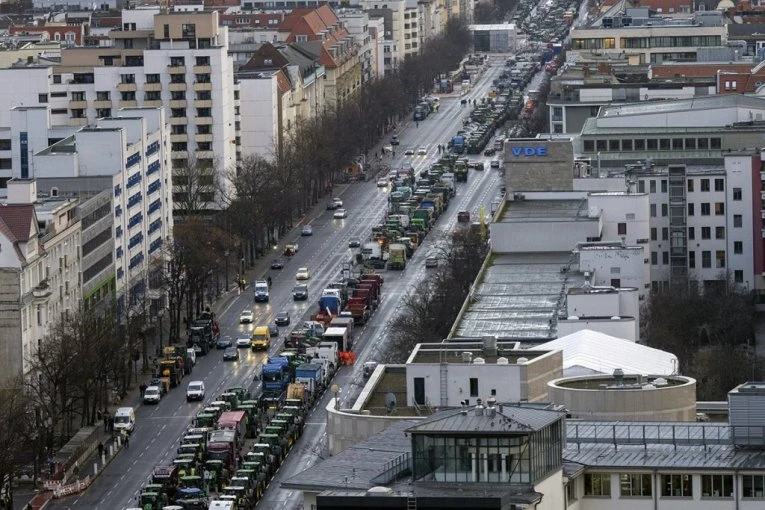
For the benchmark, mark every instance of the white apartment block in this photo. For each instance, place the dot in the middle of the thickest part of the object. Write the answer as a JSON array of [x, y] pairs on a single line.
[[395, 16], [710, 212], [176, 60], [413, 35], [357, 24]]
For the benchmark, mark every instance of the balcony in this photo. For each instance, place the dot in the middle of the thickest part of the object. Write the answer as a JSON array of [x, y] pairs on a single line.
[[78, 121], [103, 104], [179, 138], [203, 103], [204, 121], [42, 291], [128, 104], [78, 105], [178, 121], [154, 103], [198, 86], [202, 69], [152, 87], [176, 69], [211, 155], [203, 138], [177, 103], [127, 87], [176, 87]]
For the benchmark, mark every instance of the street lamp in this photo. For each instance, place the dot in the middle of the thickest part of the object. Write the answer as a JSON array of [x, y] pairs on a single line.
[[225, 254], [160, 314]]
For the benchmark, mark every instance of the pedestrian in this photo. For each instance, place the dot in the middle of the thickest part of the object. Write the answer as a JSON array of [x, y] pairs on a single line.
[[127, 440], [106, 421], [76, 469], [111, 423], [269, 282], [100, 449], [142, 387]]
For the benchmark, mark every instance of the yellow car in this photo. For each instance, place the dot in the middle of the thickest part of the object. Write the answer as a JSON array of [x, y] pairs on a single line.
[[261, 339]]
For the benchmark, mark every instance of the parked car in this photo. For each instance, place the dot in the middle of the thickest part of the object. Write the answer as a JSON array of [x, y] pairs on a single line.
[[303, 274], [387, 148], [300, 292], [354, 242], [152, 395], [246, 317], [340, 214], [223, 342], [431, 261], [338, 202], [277, 264], [282, 319], [331, 205], [195, 391], [231, 354], [242, 342], [307, 230]]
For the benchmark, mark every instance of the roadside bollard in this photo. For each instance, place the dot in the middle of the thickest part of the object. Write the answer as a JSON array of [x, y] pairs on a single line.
[[119, 442], [111, 450], [95, 469], [103, 458]]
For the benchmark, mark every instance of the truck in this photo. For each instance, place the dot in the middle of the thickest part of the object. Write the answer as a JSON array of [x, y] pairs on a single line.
[[327, 354], [458, 144], [310, 375], [371, 251], [260, 339], [236, 421], [276, 376], [172, 371], [261, 291], [330, 301], [460, 171], [397, 258], [343, 322], [172, 352], [223, 446], [341, 337]]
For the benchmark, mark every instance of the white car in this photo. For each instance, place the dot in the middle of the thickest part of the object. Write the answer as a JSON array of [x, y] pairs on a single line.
[[307, 231], [302, 274], [340, 214], [382, 183], [422, 151], [152, 395], [242, 342], [195, 391], [338, 202], [387, 148], [246, 317], [409, 151]]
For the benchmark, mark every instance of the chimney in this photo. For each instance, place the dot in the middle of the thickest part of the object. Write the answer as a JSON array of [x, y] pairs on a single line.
[[619, 376], [479, 410], [490, 346]]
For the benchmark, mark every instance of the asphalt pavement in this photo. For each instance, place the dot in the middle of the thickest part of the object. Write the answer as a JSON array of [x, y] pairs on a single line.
[[159, 428]]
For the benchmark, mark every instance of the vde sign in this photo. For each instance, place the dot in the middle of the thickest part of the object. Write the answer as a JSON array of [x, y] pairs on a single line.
[[529, 152]]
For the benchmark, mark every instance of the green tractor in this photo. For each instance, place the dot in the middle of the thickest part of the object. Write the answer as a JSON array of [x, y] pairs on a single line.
[[261, 455], [218, 474], [205, 420], [241, 393], [187, 465], [231, 398], [275, 445], [152, 497]]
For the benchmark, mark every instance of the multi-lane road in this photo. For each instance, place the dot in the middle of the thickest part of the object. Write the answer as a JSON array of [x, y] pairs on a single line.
[[160, 427]]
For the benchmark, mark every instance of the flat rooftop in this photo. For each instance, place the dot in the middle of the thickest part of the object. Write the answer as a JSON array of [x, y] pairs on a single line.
[[546, 210], [519, 297], [393, 381], [449, 354]]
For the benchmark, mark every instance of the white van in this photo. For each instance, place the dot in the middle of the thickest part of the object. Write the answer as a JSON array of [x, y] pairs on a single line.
[[192, 355], [124, 419]]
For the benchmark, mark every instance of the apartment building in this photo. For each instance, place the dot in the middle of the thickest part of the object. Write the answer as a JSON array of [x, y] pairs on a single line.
[[175, 60], [356, 22], [393, 34], [645, 39], [413, 28]]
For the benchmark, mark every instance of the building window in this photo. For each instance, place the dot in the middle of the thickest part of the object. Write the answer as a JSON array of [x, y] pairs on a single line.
[[589, 146], [654, 258], [720, 259], [690, 185], [639, 143], [652, 144], [738, 247], [703, 143], [664, 185], [665, 258], [737, 194], [571, 492], [704, 185], [127, 78], [691, 233], [42, 98], [719, 184], [738, 276], [652, 186], [753, 486], [716, 486], [705, 209], [188, 31], [597, 484], [635, 485], [719, 232], [677, 486], [473, 386], [664, 144], [127, 96], [715, 143], [706, 259], [665, 234], [706, 232], [621, 229], [641, 186], [692, 259], [203, 61], [664, 210], [737, 220], [653, 210], [690, 209], [719, 208], [654, 236]]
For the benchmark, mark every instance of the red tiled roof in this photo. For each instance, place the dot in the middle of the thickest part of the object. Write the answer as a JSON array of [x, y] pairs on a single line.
[[282, 82], [667, 6], [309, 21], [18, 220], [77, 30]]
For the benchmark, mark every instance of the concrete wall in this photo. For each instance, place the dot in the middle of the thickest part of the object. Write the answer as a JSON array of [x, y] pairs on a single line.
[[11, 351], [538, 372], [552, 488], [533, 164], [504, 380], [346, 428], [624, 327], [669, 403], [541, 236], [259, 115]]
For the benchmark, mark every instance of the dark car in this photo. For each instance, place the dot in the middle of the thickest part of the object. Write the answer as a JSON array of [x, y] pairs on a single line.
[[354, 242], [224, 342], [489, 151], [273, 330], [231, 354], [331, 206], [300, 292], [282, 319], [277, 264], [394, 140]]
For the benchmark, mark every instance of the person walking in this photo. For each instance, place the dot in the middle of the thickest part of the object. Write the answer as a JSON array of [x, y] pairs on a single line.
[[106, 421], [100, 449], [142, 387], [111, 423], [127, 440]]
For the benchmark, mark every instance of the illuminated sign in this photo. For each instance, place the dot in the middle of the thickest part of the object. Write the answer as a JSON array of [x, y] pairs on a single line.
[[529, 152]]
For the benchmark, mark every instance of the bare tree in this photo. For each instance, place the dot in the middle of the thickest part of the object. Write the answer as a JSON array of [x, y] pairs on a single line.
[[16, 433], [195, 184]]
